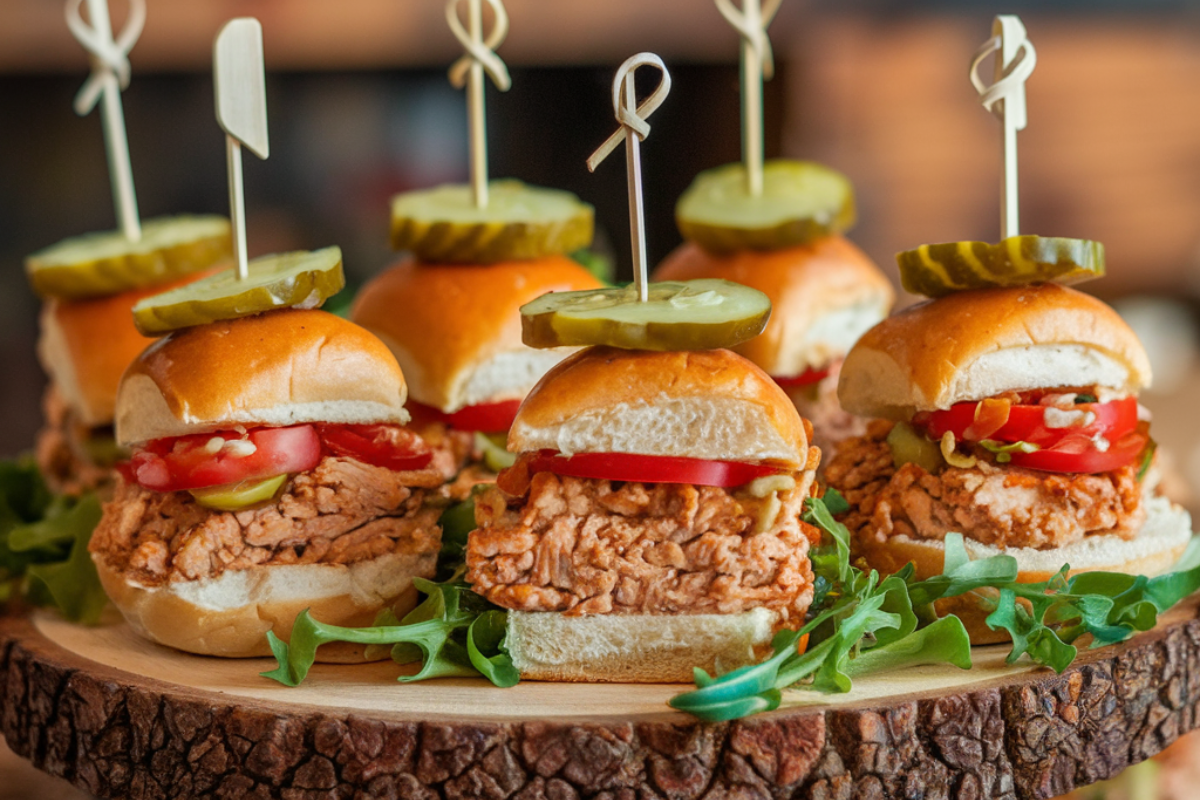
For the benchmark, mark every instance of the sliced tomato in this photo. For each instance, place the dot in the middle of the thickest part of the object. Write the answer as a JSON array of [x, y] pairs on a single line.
[[190, 462], [809, 376], [650, 469], [1077, 453], [1027, 423], [391, 446], [484, 417]]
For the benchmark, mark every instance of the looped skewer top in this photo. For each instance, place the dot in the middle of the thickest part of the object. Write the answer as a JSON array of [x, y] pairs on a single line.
[[1010, 82], [633, 120], [754, 30], [1005, 99], [108, 55], [634, 129], [482, 53]]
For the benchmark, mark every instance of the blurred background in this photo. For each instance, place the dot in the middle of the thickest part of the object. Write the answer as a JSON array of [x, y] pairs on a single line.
[[360, 109]]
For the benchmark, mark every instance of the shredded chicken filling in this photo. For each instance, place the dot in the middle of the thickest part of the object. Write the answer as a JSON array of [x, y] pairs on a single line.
[[995, 504], [341, 512], [585, 546]]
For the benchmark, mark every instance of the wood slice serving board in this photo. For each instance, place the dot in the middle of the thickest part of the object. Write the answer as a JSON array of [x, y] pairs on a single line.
[[120, 717]]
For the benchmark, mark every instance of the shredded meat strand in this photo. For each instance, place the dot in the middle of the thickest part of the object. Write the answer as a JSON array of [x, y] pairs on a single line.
[[60, 451], [341, 512], [456, 458], [1000, 505], [585, 546]]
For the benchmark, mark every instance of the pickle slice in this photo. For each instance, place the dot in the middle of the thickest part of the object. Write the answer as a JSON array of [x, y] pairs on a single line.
[[935, 270], [520, 222], [801, 201], [239, 495], [301, 279], [678, 315], [105, 263]]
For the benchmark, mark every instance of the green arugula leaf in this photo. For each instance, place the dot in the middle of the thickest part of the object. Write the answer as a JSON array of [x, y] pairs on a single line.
[[943, 642], [453, 632], [72, 585]]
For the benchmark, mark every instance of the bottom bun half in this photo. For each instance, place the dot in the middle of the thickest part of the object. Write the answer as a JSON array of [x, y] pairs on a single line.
[[230, 615], [635, 648], [1155, 549]]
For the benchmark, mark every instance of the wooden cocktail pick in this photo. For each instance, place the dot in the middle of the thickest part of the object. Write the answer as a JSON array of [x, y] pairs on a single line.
[[1005, 97], [469, 70], [110, 74], [633, 130], [757, 64], [240, 83]]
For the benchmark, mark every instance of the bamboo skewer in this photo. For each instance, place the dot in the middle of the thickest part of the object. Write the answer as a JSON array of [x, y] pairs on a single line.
[[633, 130], [110, 74], [757, 64], [469, 70], [1005, 97], [239, 81]]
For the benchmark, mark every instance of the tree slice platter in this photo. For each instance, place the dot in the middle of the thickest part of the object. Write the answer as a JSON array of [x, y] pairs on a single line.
[[120, 717]]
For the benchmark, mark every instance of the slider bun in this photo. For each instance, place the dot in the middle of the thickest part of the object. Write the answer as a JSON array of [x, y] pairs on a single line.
[[975, 344], [281, 368], [230, 615], [1153, 551], [85, 346], [710, 404], [456, 329], [824, 295], [635, 648]]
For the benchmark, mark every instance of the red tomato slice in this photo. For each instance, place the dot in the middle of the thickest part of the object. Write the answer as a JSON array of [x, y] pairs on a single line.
[[1026, 423], [650, 469], [391, 446], [1079, 454], [810, 375], [485, 417], [186, 462]]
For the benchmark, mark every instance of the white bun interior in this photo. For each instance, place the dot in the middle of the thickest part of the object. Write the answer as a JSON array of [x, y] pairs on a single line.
[[829, 336], [230, 615], [634, 648], [143, 414], [723, 428], [503, 376]]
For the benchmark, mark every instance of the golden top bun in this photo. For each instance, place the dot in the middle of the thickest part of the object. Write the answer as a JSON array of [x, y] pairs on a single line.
[[975, 344], [456, 329], [824, 295], [85, 346], [710, 404], [280, 368]]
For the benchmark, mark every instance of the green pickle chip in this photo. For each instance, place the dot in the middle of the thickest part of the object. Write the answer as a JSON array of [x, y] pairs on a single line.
[[301, 279], [935, 270], [443, 225], [105, 263], [800, 201], [678, 315], [239, 496]]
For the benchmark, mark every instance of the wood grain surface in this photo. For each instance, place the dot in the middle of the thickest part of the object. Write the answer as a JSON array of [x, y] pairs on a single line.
[[118, 717]]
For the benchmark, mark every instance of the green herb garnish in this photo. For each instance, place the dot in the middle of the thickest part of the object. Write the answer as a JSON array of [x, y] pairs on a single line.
[[1086, 398], [43, 544], [864, 624], [453, 632]]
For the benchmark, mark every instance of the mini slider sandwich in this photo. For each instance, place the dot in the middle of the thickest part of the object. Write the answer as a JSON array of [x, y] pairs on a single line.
[[458, 341], [824, 295], [1009, 415], [270, 474], [651, 523]]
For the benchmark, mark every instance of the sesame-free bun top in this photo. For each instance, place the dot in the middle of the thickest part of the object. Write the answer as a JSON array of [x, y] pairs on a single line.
[[710, 404], [456, 329], [280, 368], [824, 295], [975, 344], [85, 346]]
